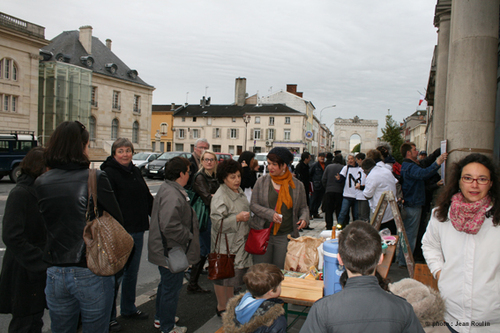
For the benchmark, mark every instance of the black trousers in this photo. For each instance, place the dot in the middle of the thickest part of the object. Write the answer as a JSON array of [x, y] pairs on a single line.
[[332, 202]]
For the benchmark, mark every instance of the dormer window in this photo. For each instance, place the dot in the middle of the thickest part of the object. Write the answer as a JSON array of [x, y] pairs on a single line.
[[132, 74], [87, 61], [112, 68]]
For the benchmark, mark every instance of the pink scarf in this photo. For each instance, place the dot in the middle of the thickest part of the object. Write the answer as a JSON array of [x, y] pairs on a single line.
[[468, 217]]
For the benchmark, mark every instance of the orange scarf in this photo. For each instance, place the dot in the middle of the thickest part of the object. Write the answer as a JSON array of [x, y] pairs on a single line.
[[284, 197]]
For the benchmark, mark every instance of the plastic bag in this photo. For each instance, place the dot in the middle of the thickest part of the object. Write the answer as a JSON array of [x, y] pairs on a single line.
[[302, 253]]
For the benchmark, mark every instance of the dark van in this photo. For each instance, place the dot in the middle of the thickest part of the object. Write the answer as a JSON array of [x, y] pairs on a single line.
[[13, 147]]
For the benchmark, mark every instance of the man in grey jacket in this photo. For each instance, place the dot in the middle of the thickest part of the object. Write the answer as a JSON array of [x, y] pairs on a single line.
[[173, 224]]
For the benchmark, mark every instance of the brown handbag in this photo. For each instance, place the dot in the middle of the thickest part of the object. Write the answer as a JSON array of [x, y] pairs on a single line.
[[108, 243], [220, 265]]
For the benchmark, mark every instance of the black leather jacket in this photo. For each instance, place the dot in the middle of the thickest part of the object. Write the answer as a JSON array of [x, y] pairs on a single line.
[[62, 197]]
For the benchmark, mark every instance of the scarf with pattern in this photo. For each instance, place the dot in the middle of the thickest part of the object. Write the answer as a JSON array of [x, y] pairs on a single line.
[[468, 217]]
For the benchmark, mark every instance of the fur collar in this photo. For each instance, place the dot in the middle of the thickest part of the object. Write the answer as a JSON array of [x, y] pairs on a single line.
[[274, 310]]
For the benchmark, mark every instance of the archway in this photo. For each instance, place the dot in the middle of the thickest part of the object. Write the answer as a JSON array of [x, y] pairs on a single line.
[[354, 141]]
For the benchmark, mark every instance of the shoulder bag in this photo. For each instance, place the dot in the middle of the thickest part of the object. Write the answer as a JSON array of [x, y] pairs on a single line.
[[201, 210], [220, 265], [108, 244], [257, 240]]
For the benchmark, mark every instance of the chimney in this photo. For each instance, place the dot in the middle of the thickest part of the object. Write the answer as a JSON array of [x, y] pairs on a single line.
[[240, 91], [108, 43], [86, 38], [291, 88], [172, 106]]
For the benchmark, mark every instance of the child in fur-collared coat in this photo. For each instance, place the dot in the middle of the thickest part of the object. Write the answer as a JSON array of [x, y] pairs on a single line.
[[259, 310]]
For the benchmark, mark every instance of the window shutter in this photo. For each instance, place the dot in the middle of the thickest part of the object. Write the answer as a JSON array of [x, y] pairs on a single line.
[[237, 133], [213, 133], [251, 133], [267, 134], [229, 133]]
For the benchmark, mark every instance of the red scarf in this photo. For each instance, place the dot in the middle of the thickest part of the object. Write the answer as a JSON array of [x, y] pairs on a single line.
[[468, 217]]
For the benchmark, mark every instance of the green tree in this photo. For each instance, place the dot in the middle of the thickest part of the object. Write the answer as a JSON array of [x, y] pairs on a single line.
[[357, 148], [392, 135]]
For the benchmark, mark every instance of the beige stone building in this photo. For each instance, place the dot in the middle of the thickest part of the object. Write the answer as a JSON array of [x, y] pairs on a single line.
[[20, 42], [116, 102]]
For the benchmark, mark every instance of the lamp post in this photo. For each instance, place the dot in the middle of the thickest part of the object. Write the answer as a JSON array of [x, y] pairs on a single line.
[[246, 120], [326, 107]]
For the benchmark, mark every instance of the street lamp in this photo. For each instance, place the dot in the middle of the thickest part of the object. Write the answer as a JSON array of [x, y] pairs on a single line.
[[326, 107], [246, 120]]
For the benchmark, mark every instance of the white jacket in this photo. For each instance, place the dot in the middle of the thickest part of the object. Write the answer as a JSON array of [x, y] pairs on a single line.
[[377, 182], [470, 273]]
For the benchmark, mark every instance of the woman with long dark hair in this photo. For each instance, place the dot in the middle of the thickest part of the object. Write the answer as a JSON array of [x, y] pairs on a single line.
[[72, 289], [461, 244], [22, 281]]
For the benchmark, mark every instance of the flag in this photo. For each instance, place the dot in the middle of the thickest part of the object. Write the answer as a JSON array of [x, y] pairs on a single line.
[[422, 98]]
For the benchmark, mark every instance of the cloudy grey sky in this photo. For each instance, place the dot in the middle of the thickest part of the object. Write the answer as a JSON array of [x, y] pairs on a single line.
[[364, 56]]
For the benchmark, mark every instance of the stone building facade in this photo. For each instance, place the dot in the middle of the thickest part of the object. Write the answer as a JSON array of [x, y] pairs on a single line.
[[20, 42], [344, 129]]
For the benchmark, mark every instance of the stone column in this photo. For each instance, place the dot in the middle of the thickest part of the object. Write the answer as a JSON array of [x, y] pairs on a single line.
[[442, 22], [472, 71]]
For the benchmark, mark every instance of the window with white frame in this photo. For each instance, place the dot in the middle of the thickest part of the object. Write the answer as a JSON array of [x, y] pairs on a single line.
[[287, 135], [183, 119], [93, 97], [233, 133], [8, 69], [116, 100], [164, 128], [256, 134], [9, 103], [231, 150], [196, 133], [137, 104], [257, 120], [135, 132], [182, 133], [287, 120], [270, 133], [234, 120], [217, 132], [271, 121]]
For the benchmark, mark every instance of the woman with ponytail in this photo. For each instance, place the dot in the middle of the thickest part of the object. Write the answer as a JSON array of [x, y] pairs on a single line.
[[278, 198]]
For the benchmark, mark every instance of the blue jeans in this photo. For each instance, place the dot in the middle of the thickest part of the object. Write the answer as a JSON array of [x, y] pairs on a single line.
[[205, 237], [411, 223], [347, 203], [74, 290], [128, 279], [167, 298]]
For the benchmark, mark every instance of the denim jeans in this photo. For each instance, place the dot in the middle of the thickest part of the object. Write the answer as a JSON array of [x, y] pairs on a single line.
[[74, 290], [411, 223], [205, 240], [167, 298], [128, 279], [347, 203]]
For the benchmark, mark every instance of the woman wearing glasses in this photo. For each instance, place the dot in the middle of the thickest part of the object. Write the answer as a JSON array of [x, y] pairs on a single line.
[[462, 248], [205, 185]]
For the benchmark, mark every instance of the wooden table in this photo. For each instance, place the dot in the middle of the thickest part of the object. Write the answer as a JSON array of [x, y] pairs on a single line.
[[383, 268], [302, 292]]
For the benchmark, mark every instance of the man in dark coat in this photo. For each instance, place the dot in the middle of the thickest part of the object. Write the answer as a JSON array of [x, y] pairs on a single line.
[[302, 172], [316, 174]]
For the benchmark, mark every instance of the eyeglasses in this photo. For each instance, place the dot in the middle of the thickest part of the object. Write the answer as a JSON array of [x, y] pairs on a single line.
[[480, 180], [205, 148], [209, 159]]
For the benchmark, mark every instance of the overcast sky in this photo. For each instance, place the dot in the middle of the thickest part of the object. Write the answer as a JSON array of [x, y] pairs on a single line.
[[363, 56]]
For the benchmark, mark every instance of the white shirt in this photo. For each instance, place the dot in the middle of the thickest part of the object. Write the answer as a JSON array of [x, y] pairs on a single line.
[[379, 180], [470, 273], [352, 176]]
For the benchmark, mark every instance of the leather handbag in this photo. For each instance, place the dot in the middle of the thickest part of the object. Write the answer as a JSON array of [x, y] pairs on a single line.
[[258, 240], [108, 244], [177, 260], [220, 265]]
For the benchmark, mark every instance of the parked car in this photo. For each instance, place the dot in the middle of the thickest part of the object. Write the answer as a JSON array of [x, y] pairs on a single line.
[[262, 160], [223, 156], [142, 159], [236, 157], [156, 168], [296, 161], [13, 147]]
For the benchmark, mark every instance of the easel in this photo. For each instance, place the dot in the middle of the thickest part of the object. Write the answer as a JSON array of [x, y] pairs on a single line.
[[387, 198]]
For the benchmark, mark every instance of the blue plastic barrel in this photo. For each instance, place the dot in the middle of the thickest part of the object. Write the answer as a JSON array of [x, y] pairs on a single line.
[[332, 270]]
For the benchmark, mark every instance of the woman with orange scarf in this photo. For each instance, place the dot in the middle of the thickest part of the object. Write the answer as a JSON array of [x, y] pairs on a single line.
[[279, 198]]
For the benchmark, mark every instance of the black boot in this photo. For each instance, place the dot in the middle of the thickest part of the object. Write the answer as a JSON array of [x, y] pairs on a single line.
[[193, 286]]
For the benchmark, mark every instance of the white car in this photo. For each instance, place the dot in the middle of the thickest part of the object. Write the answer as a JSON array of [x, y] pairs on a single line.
[[262, 160], [296, 161], [143, 157]]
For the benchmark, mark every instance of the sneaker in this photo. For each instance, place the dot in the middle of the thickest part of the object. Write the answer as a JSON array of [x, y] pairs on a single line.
[[114, 326], [157, 322], [137, 315], [178, 329]]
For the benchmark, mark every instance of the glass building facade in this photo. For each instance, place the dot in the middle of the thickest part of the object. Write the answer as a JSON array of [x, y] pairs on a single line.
[[64, 94]]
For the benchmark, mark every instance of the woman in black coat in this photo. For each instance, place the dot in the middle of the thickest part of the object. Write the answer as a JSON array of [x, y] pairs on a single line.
[[22, 281], [136, 202]]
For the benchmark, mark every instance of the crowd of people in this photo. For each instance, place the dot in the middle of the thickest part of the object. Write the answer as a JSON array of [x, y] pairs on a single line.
[[45, 262]]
